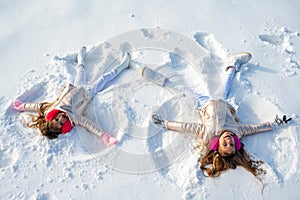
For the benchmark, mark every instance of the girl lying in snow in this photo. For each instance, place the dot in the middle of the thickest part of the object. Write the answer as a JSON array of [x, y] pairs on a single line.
[[61, 115], [218, 131]]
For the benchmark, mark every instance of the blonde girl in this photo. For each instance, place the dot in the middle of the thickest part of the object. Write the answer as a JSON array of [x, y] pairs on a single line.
[[218, 131], [61, 115]]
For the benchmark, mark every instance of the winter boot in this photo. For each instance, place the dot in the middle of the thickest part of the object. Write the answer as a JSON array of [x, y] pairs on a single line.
[[124, 64], [81, 56], [238, 60], [153, 76]]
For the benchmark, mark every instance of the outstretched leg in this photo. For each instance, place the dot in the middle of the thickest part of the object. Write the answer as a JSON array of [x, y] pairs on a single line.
[[186, 91], [80, 79], [160, 79], [107, 77], [236, 62], [230, 74]]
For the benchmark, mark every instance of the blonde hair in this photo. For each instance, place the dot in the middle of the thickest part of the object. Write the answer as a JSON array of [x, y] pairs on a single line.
[[45, 127], [212, 164]]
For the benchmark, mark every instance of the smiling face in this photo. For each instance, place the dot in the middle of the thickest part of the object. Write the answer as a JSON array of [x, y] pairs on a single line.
[[59, 120], [226, 144]]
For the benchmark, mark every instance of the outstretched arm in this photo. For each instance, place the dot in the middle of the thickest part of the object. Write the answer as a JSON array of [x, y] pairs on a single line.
[[255, 128], [95, 129], [31, 107], [193, 128], [263, 127], [88, 125]]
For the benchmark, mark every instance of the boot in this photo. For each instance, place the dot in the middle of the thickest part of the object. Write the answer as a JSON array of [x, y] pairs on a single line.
[[238, 60], [124, 64], [153, 76], [81, 56]]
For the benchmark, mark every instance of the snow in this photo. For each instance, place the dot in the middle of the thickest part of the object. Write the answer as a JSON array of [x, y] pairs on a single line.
[[189, 41]]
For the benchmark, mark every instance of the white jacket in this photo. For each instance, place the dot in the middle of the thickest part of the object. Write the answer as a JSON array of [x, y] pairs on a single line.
[[73, 101], [216, 116]]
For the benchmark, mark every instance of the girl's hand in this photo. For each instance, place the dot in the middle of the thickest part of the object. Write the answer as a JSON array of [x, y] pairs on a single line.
[[108, 139], [278, 121], [158, 120], [18, 105]]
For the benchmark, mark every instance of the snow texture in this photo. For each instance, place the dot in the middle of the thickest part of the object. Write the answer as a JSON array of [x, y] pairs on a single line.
[[190, 43]]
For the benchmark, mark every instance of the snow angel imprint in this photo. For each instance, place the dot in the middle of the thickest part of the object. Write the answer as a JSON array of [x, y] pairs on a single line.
[[218, 131], [60, 116]]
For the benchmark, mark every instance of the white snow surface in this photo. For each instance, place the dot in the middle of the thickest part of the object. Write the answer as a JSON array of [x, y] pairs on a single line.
[[188, 41]]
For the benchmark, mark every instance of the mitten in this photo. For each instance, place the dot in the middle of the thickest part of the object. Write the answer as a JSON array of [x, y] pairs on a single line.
[[158, 121], [18, 105], [108, 140], [279, 122]]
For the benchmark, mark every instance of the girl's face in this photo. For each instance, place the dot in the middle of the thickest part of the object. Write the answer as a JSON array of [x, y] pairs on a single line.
[[226, 144], [59, 120]]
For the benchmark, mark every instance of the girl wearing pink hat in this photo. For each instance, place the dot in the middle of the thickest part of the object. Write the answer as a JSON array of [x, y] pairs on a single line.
[[60, 116], [218, 131]]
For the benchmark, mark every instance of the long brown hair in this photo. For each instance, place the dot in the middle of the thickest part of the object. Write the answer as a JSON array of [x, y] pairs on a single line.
[[44, 126], [212, 164]]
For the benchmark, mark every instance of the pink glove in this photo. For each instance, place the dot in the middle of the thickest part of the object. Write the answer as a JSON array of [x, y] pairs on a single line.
[[18, 105], [108, 140]]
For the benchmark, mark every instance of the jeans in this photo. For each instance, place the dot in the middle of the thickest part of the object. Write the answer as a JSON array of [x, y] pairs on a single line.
[[230, 74]]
